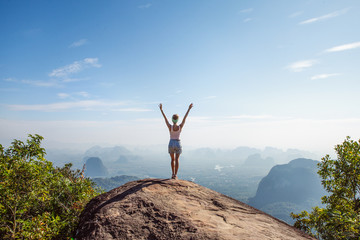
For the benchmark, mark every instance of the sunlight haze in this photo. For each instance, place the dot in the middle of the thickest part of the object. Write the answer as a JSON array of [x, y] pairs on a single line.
[[260, 73]]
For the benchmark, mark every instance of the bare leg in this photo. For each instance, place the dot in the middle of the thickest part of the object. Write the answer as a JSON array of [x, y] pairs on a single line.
[[172, 155], [176, 163]]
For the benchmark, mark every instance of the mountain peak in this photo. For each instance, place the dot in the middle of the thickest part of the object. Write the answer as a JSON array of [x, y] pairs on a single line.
[[176, 209]]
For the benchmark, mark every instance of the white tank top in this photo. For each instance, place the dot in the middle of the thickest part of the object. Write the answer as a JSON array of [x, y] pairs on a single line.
[[175, 134]]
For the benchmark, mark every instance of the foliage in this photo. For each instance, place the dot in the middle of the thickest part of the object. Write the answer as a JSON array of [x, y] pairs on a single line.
[[37, 200], [340, 219]]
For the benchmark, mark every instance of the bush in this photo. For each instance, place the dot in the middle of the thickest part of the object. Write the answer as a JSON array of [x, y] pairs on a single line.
[[37, 200]]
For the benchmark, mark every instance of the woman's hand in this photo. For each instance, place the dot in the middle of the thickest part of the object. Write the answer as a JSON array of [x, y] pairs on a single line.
[[160, 106]]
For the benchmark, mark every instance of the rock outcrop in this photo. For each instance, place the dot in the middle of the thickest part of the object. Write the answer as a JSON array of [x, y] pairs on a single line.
[[295, 182], [176, 209]]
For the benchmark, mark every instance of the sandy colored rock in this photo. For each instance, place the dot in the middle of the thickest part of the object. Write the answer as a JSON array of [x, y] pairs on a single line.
[[176, 209]]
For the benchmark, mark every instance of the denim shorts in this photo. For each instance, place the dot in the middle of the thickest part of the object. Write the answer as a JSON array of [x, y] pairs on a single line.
[[175, 146]]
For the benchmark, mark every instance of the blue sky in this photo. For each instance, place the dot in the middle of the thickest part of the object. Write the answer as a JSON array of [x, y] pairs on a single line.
[[260, 73]]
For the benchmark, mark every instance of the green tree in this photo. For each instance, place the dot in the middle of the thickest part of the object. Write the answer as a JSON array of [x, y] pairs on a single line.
[[340, 218], [37, 200]]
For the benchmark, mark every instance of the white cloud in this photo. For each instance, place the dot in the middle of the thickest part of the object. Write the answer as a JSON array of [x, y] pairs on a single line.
[[73, 95], [132, 110], [37, 83], [83, 105], [63, 95], [301, 65], [247, 20], [324, 17], [324, 76], [145, 6], [295, 14], [75, 67], [41, 83], [247, 10], [251, 117], [150, 120], [10, 80], [344, 47], [83, 94], [78, 43], [209, 97], [61, 75]]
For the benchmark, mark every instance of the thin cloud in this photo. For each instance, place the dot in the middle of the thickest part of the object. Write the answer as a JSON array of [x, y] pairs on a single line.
[[41, 83], [10, 80], [78, 43], [73, 95], [63, 95], [209, 97], [247, 10], [132, 110], [251, 117], [75, 67], [37, 83], [144, 6], [200, 119], [295, 14], [152, 120], [344, 47], [83, 94], [325, 17], [300, 66], [61, 75], [324, 76], [247, 20], [83, 105]]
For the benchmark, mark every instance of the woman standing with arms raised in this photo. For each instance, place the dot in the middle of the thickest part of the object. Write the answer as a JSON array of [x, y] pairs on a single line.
[[174, 147]]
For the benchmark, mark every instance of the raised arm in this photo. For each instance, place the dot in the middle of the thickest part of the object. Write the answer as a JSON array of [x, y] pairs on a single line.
[[166, 121], [183, 121]]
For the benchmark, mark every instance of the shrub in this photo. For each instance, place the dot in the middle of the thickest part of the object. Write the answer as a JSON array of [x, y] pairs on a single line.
[[38, 200]]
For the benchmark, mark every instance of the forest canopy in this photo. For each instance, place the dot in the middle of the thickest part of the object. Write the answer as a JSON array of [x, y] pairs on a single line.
[[38, 200], [340, 218]]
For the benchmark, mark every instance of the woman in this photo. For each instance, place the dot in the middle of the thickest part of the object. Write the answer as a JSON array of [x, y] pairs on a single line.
[[174, 144]]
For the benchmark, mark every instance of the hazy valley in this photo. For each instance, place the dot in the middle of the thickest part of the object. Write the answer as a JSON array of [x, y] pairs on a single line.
[[236, 172]]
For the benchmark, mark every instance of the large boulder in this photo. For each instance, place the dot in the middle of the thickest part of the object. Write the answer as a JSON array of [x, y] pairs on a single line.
[[176, 209]]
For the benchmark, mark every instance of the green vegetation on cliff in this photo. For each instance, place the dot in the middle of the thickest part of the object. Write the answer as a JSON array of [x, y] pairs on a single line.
[[340, 218], [37, 200]]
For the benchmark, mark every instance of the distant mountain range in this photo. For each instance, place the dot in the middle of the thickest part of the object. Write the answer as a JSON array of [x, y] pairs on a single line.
[[256, 161], [94, 167], [242, 173], [111, 154], [110, 183]]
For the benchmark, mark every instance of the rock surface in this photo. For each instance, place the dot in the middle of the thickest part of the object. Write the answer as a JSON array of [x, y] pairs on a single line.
[[176, 209]]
